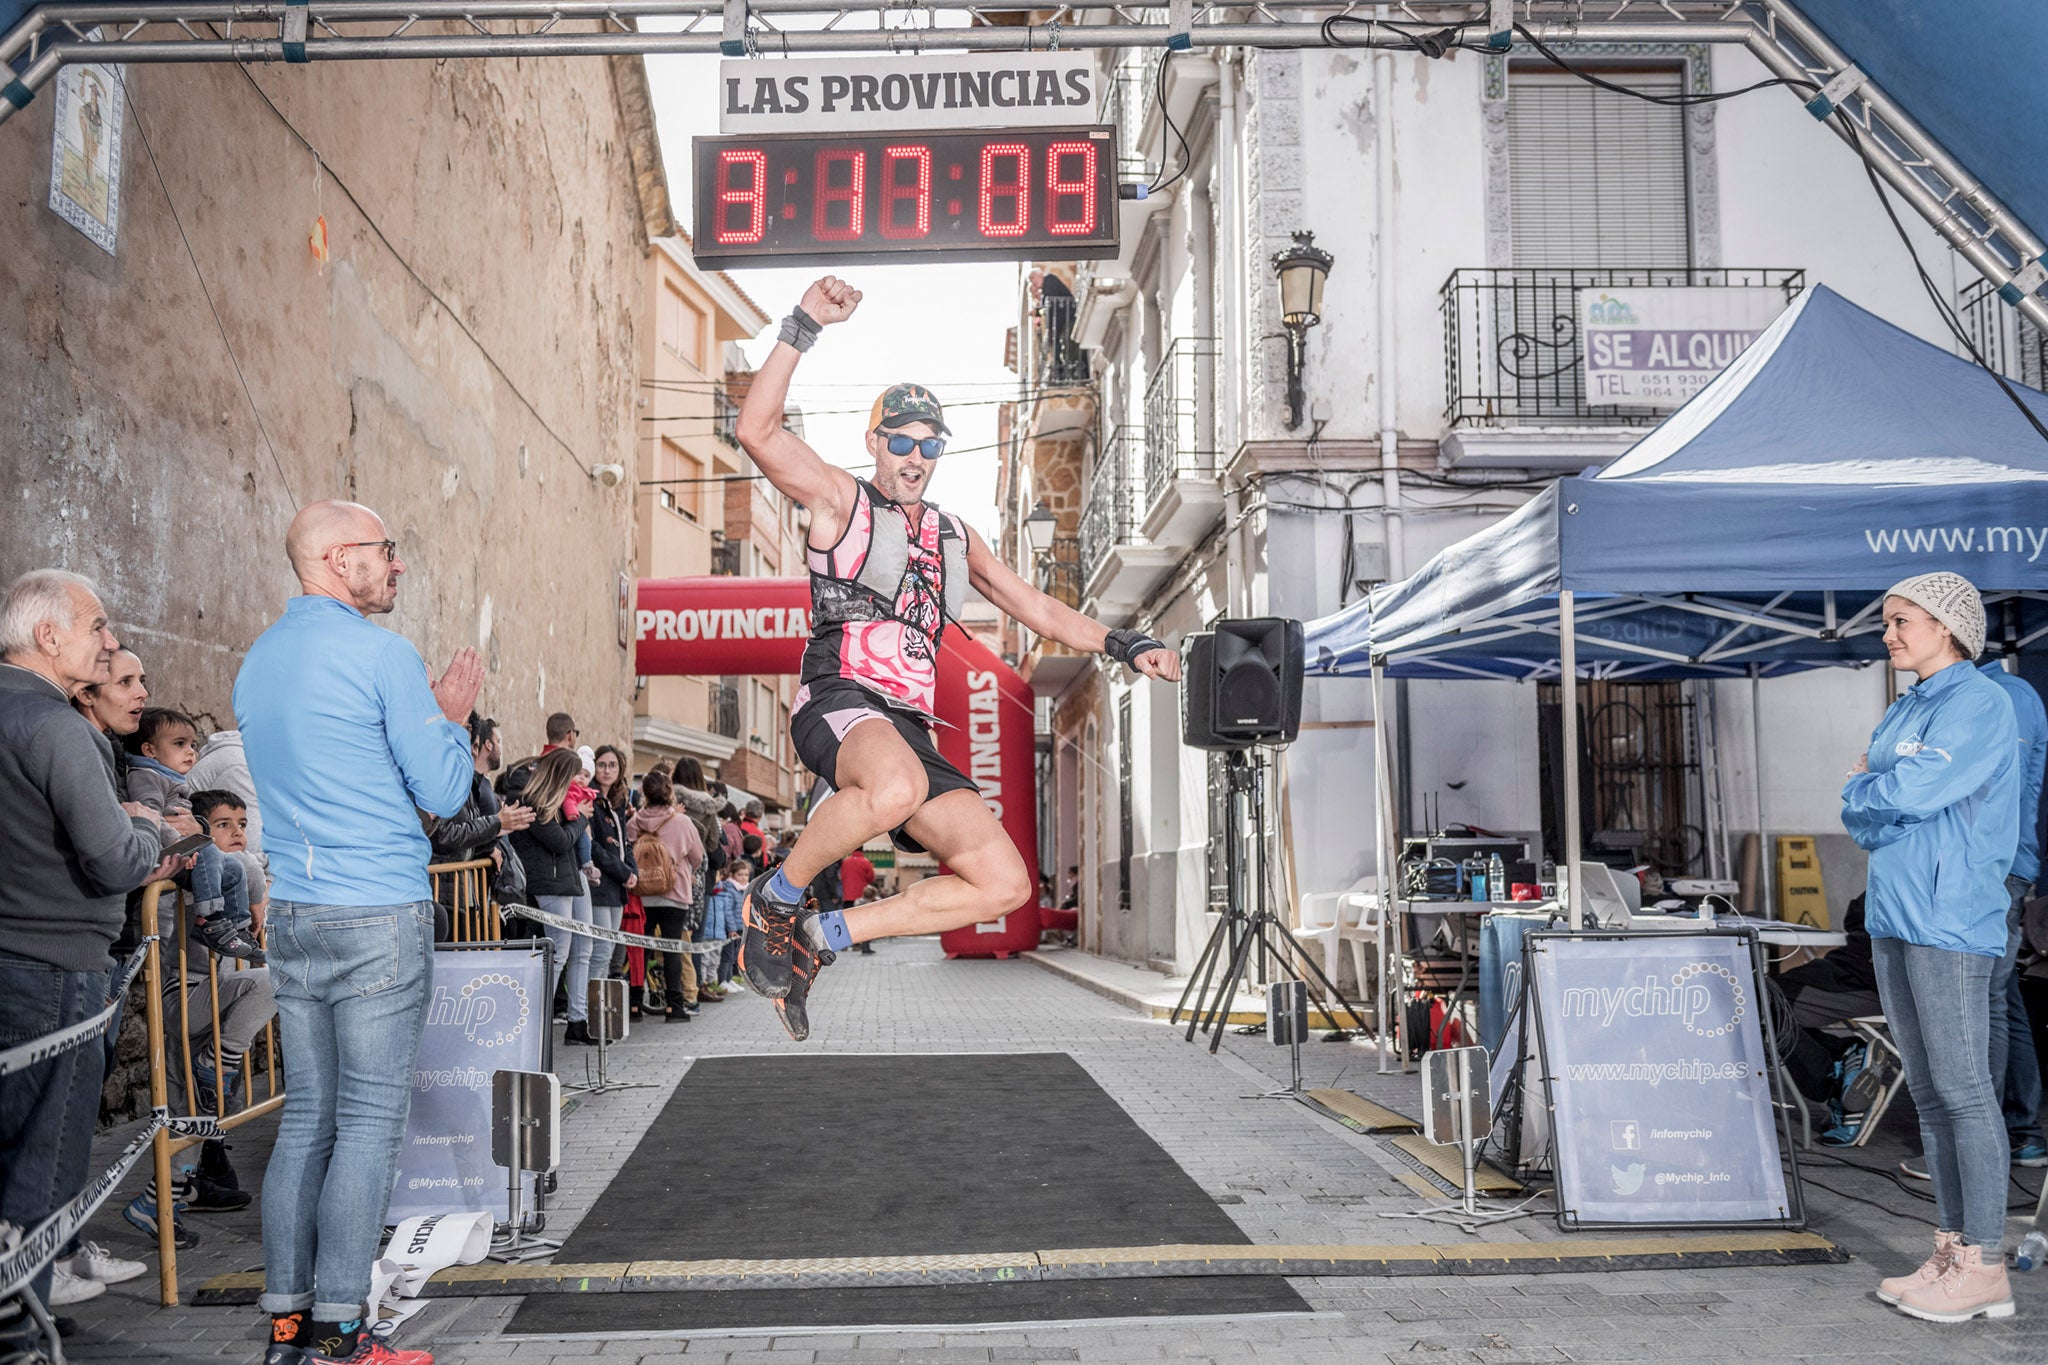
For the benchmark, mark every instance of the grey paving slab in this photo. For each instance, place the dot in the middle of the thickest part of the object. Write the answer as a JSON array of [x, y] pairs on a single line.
[[1282, 1172]]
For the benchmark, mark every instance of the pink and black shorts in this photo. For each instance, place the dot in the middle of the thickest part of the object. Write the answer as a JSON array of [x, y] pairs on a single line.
[[828, 709]]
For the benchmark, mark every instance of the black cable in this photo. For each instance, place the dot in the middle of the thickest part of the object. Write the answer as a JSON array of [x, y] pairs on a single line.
[[1159, 94], [454, 316], [1675, 101], [1863, 154], [1941, 305], [204, 292], [1434, 43]]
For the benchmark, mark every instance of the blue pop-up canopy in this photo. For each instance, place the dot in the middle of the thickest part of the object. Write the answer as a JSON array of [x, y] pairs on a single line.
[[1757, 527]]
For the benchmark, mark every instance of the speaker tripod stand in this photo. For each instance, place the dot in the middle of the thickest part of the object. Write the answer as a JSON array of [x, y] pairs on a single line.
[[1240, 930]]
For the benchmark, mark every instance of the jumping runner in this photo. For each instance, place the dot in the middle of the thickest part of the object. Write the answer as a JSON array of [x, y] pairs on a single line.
[[889, 571]]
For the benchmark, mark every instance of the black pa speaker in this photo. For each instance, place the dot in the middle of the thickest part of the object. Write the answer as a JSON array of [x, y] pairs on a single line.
[[1242, 684]]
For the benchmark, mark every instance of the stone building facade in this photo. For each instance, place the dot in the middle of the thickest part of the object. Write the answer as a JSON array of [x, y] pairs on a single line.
[[461, 357]]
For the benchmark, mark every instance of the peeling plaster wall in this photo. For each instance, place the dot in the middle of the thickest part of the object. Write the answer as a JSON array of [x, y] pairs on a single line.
[[130, 449]]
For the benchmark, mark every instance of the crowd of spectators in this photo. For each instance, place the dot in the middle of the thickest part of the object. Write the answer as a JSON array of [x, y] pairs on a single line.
[[106, 795]]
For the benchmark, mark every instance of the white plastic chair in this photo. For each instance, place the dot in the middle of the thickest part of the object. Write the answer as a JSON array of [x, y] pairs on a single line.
[[1322, 922]]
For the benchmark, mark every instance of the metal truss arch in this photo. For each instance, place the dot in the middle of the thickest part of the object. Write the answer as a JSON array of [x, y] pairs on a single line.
[[2006, 251]]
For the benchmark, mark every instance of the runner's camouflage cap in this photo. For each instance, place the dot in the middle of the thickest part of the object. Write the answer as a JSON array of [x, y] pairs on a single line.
[[903, 404]]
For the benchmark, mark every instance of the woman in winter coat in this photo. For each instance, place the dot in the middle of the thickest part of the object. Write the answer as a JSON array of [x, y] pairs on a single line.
[[554, 874], [612, 853], [1936, 802], [668, 910]]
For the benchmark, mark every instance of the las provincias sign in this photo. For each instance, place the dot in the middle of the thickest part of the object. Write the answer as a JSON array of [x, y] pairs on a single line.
[[966, 90]]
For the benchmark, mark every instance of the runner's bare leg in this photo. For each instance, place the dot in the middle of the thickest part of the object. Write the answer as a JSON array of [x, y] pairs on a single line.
[[881, 784], [987, 877]]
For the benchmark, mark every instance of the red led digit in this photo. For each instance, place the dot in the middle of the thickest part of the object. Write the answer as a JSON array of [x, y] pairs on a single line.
[[1080, 190], [853, 194], [1015, 188], [752, 197], [918, 221]]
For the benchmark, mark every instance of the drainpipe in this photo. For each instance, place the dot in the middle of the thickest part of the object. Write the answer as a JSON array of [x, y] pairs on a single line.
[[1386, 349], [1226, 252]]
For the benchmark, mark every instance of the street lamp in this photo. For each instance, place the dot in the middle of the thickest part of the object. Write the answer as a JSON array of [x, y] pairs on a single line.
[[1040, 528], [1302, 268]]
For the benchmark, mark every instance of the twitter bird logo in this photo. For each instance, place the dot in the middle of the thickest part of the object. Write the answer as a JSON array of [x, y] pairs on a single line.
[[1627, 1179]]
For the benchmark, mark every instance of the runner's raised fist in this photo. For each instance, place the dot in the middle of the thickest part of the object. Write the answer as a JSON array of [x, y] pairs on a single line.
[[830, 300]]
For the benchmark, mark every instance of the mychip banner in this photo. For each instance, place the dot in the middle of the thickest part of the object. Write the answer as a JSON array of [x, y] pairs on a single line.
[[1659, 1084], [487, 1011]]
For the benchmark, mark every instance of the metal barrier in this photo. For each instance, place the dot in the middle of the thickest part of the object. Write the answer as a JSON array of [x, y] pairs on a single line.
[[166, 1144], [473, 917]]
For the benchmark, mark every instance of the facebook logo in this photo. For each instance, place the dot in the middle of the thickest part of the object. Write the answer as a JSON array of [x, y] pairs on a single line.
[[1627, 1135]]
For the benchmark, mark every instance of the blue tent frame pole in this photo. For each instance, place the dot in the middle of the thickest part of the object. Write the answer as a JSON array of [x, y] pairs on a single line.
[[1574, 837]]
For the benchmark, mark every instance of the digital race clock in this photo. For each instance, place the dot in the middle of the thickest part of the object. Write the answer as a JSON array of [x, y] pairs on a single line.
[[989, 194]]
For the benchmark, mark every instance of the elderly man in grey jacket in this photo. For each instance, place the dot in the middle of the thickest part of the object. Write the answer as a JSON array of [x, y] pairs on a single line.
[[73, 851]]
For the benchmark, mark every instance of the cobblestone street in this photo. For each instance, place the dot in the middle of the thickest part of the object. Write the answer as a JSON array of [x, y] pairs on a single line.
[[1284, 1173]]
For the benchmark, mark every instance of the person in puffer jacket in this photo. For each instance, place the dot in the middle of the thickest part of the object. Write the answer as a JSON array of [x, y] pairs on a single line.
[[1936, 803], [722, 922]]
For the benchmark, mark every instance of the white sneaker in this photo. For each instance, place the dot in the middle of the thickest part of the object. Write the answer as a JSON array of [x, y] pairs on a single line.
[[95, 1262], [738, 983], [67, 1288]]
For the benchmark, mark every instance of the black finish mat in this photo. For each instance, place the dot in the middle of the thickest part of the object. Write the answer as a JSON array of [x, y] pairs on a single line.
[[758, 1157]]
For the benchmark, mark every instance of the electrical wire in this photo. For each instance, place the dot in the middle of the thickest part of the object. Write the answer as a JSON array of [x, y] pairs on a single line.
[[1863, 153], [582, 465], [206, 293], [1159, 96]]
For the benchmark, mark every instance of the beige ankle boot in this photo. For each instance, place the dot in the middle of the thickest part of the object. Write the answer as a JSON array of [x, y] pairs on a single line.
[[1970, 1287], [1895, 1288]]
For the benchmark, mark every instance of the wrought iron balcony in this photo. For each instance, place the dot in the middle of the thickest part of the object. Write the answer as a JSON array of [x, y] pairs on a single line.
[[1110, 515], [725, 558], [1180, 420], [1512, 350], [1059, 572], [1058, 362], [2009, 343], [725, 709]]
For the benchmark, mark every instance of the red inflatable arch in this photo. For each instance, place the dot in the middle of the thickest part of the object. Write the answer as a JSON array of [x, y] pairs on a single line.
[[705, 626]]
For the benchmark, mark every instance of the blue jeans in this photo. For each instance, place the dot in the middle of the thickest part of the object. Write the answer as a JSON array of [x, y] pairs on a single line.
[[48, 1112], [352, 983], [1937, 1002], [572, 951], [218, 885], [2014, 1071]]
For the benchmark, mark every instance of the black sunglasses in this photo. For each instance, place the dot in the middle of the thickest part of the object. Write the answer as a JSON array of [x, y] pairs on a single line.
[[931, 447]]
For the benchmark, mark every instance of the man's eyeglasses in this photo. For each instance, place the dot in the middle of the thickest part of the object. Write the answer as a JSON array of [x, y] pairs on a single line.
[[931, 447], [390, 547]]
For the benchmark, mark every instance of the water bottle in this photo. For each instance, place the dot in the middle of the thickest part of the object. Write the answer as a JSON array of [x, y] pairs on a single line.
[[1497, 878], [2033, 1250]]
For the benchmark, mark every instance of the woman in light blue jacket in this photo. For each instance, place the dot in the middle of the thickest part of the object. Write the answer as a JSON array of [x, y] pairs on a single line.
[[1936, 802]]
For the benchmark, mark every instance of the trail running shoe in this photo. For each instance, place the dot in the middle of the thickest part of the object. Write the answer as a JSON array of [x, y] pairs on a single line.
[[808, 957], [370, 1351], [765, 948]]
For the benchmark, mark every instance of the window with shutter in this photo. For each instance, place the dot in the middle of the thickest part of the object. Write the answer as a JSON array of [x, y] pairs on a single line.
[[1597, 178]]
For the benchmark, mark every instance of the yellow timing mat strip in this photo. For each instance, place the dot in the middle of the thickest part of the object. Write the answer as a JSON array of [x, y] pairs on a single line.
[[1446, 1162], [1356, 1111], [1576, 1254]]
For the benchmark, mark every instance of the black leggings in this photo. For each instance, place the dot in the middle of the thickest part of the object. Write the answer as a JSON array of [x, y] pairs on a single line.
[[670, 921]]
